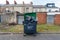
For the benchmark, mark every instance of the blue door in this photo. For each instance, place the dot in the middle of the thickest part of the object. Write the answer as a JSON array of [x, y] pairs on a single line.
[[20, 19], [50, 19], [0, 18]]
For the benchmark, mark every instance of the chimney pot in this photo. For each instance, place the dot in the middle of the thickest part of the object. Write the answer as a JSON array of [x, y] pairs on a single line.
[[23, 2], [31, 2]]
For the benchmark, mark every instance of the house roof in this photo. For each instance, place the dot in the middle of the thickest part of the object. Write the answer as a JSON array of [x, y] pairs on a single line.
[[27, 5], [39, 6], [52, 13], [52, 7], [1, 4]]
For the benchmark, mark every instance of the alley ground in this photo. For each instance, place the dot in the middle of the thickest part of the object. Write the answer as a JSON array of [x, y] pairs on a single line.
[[38, 37]]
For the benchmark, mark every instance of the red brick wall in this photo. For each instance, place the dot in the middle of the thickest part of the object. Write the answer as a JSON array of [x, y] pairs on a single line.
[[42, 17], [57, 19]]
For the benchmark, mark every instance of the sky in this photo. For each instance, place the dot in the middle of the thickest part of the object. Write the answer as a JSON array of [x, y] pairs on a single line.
[[35, 2]]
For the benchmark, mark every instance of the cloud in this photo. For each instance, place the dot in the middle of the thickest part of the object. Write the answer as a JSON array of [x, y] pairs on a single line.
[[2, 1], [40, 2], [58, 4], [26, 1]]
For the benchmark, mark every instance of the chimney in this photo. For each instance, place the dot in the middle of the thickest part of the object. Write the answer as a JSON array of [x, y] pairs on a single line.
[[15, 2], [23, 2], [7, 2], [31, 3]]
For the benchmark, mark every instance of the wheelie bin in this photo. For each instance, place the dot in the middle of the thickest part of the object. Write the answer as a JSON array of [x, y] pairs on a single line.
[[30, 23]]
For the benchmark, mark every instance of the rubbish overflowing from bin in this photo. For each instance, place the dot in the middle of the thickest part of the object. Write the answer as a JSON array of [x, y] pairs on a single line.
[[29, 24]]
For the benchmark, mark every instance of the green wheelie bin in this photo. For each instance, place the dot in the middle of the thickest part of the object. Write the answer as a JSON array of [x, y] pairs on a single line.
[[30, 23]]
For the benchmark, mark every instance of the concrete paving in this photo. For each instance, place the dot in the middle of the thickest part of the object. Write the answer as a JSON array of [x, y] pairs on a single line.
[[38, 37]]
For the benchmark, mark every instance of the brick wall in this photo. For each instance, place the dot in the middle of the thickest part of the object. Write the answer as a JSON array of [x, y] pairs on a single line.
[[42, 17], [57, 19]]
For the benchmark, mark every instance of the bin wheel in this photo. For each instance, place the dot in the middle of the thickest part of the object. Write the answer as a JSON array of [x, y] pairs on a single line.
[[24, 35], [34, 35]]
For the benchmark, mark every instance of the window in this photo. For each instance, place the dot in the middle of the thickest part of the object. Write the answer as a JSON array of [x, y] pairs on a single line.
[[7, 10], [27, 9], [49, 10], [56, 10]]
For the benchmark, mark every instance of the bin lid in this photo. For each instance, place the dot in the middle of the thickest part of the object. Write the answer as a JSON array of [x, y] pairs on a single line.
[[29, 15]]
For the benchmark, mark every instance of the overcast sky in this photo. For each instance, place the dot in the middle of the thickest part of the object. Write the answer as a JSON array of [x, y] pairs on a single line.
[[37, 2]]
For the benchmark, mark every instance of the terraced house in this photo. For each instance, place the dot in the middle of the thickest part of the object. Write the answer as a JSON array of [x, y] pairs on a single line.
[[13, 13]]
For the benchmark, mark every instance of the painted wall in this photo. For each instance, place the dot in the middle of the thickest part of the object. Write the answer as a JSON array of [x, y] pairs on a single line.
[[8, 18], [52, 9], [19, 9], [39, 9], [52, 13]]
